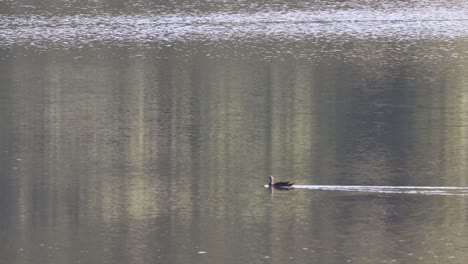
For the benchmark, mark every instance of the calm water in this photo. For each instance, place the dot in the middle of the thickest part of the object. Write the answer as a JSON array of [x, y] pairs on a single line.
[[143, 132]]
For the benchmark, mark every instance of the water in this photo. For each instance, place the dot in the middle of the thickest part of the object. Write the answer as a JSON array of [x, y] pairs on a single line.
[[428, 190], [143, 132]]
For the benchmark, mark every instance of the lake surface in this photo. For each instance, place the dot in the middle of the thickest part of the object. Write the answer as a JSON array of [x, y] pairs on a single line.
[[143, 132]]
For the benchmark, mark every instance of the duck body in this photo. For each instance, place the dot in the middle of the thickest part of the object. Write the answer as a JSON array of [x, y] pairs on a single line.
[[283, 184]]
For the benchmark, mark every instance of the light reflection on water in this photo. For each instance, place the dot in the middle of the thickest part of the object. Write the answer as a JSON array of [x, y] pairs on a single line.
[[427, 190], [37, 31]]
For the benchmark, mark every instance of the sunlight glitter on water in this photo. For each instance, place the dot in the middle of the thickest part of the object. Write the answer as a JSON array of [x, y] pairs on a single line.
[[65, 31]]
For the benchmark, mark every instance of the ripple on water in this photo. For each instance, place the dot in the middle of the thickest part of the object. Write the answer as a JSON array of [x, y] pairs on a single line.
[[291, 25], [425, 190]]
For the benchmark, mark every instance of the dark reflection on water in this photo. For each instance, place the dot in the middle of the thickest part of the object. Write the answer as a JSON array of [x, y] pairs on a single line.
[[158, 153], [137, 160]]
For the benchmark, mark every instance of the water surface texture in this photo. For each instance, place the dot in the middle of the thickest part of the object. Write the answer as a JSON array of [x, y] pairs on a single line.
[[142, 132], [295, 25]]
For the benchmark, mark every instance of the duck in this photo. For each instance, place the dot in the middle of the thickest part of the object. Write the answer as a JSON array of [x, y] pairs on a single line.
[[283, 184]]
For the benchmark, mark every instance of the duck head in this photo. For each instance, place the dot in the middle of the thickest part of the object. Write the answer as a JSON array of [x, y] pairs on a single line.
[[270, 180]]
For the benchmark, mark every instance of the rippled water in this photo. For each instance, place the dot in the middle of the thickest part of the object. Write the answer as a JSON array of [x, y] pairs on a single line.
[[426, 190], [339, 24]]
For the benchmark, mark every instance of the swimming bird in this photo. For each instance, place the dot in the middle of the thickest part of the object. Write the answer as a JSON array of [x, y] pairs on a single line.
[[272, 183]]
